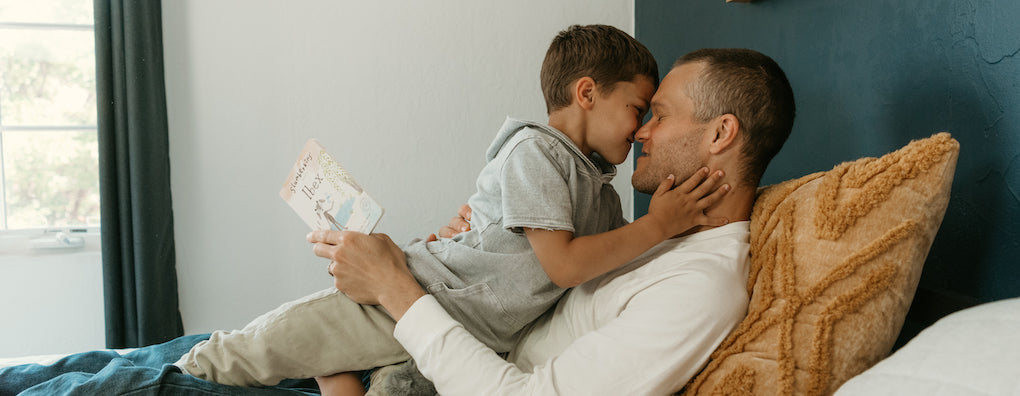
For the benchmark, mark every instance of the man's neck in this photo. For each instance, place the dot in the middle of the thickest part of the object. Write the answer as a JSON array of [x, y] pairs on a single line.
[[735, 206]]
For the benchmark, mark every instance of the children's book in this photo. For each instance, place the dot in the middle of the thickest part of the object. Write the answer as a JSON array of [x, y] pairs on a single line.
[[326, 196]]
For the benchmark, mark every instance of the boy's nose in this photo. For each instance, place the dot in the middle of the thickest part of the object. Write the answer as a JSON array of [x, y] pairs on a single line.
[[641, 134]]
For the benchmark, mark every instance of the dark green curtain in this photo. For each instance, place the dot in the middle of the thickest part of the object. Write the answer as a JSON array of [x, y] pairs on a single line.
[[139, 276]]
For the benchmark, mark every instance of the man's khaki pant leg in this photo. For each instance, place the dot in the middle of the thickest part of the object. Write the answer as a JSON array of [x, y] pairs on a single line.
[[321, 334]]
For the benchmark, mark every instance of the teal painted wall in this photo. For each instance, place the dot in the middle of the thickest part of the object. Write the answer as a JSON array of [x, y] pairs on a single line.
[[869, 76]]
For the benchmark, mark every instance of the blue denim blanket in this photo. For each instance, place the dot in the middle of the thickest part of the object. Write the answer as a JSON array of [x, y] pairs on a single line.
[[145, 371]]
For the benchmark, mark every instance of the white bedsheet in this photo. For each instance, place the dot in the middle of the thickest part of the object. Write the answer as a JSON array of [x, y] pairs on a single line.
[[969, 353], [42, 359]]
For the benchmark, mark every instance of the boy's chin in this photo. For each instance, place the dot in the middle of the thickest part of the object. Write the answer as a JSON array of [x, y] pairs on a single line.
[[616, 159]]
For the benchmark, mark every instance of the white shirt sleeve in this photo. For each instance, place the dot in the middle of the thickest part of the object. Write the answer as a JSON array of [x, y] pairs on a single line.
[[661, 338]]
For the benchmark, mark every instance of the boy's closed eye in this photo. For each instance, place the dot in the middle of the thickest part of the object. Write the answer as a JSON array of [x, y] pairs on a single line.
[[641, 112]]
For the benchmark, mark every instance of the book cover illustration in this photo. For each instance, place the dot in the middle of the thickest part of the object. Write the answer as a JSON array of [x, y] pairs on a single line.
[[325, 196]]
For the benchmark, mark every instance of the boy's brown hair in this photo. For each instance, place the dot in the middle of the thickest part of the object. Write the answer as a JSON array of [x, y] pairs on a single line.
[[752, 87], [602, 52]]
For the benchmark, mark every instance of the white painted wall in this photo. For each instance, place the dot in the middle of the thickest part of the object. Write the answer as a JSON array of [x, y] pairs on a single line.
[[406, 94], [51, 298]]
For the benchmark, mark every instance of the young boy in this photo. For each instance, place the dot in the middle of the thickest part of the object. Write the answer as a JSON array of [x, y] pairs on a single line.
[[544, 218]]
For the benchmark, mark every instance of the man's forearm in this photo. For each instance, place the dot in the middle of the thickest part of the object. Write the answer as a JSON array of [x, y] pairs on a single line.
[[454, 360], [398, 296]]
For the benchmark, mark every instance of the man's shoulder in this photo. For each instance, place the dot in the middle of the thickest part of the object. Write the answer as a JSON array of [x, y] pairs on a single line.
[[725, 243], [717, 257], [685, 276]]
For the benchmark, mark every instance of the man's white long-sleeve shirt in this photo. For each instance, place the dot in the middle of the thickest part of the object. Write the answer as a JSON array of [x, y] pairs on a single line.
[[643, 329]]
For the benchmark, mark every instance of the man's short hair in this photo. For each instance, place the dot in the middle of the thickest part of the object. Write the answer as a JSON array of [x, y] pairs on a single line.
[[752, 87], [602, 52]]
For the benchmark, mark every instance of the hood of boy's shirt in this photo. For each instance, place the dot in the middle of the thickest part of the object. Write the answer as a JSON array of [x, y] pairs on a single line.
[[512, 125]]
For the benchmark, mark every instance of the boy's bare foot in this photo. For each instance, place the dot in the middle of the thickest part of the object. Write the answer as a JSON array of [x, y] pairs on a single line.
[[343, 384]]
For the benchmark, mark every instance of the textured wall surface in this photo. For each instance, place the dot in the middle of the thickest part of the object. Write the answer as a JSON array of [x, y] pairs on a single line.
[[871, 75]]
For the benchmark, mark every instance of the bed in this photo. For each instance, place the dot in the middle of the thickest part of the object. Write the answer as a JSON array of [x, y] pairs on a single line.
[[137, 371], [836, 257], [974, 352]]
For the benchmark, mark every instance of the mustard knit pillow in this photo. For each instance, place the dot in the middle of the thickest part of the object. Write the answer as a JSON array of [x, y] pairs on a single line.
[[835, 259]]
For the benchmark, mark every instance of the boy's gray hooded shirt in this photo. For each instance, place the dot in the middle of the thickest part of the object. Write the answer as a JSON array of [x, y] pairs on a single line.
[[489, 278]]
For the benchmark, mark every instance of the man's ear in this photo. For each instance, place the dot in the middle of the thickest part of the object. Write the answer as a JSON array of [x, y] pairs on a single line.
[[584, 92], [726, 128]]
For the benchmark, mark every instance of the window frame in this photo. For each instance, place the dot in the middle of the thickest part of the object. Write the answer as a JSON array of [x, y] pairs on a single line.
[[5, 128]]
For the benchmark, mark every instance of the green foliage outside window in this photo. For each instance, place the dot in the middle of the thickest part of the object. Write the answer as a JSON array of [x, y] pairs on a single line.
[[48, 143]]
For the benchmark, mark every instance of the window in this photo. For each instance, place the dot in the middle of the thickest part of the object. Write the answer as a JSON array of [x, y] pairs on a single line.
[[49, 169], [49, 179]]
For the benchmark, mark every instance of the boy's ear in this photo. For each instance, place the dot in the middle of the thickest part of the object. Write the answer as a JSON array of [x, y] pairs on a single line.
[[584, 92], [726, 128]]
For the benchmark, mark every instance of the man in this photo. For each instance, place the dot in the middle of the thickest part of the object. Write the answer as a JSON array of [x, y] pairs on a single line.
[[649, 326]]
